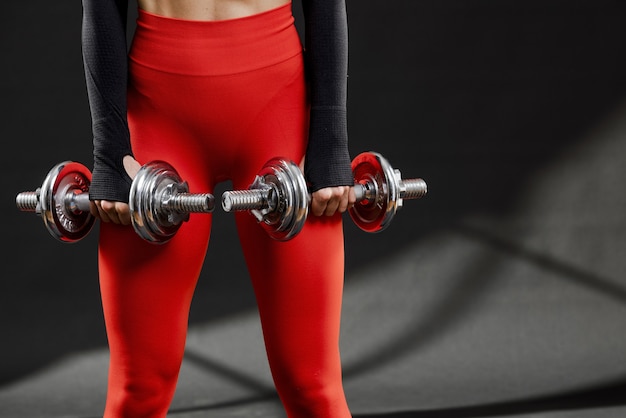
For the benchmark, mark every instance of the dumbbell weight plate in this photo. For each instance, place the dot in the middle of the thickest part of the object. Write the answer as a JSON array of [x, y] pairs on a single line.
[[375, 215], [64, 222], [148, 191], [286, 179]]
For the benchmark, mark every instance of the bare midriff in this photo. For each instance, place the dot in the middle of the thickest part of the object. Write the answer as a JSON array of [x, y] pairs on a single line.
[[208, 9]]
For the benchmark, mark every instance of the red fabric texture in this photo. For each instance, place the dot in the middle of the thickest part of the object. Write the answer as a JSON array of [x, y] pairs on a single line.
[[217, 100]]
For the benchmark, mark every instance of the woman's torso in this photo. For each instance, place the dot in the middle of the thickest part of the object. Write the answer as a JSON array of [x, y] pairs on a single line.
[[208, 9]]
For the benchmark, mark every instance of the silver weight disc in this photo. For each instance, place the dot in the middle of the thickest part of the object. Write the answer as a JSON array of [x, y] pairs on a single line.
[[147, 192], [65, 221], [292, 199], [373, 170]]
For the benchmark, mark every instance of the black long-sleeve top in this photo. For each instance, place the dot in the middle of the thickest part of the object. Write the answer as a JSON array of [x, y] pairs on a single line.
[[106, 74]]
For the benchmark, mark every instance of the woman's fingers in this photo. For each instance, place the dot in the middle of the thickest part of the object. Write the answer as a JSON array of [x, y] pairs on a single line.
[[109, 211], [329, 200]]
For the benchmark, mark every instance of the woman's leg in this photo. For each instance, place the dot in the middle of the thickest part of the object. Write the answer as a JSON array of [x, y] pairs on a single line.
[[299, 286], [146, 293], [147, 288], [298, 283]]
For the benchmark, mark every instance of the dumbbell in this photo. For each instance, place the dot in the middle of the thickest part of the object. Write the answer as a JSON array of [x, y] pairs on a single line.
[[159, 202], [279, 198]]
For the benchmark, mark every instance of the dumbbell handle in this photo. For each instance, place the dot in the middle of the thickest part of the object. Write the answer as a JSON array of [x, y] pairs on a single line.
[[257, 199], [189, 203], [240, 200], [79, 202], [410, 189], [74, 201]]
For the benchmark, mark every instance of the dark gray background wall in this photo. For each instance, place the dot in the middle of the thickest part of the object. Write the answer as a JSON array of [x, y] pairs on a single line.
[[513, 112]]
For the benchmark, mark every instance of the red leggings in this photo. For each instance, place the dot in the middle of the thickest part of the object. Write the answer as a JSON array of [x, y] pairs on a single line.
[[217, 100]]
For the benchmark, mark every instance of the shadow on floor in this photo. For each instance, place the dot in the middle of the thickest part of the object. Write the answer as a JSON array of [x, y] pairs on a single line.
[[604, 395], [601, 396]]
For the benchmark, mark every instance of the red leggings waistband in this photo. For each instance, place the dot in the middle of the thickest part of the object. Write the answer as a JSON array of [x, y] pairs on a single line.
[[215, 47]]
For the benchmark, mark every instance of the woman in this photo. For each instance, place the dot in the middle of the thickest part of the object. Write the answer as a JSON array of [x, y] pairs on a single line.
[[217, 88]]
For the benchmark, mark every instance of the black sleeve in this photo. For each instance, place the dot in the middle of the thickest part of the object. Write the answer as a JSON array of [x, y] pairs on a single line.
[[105, 61], [326, 54]]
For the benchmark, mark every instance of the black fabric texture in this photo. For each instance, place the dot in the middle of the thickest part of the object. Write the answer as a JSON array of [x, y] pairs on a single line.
[[106, 74], [326, 54]]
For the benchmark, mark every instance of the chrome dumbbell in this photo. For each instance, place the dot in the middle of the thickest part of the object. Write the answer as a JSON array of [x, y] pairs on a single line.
[[159, 202], [279, 198]]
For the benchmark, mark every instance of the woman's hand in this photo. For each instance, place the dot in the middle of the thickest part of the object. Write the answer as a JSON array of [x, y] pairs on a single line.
[[330, 200], [116, 212]]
